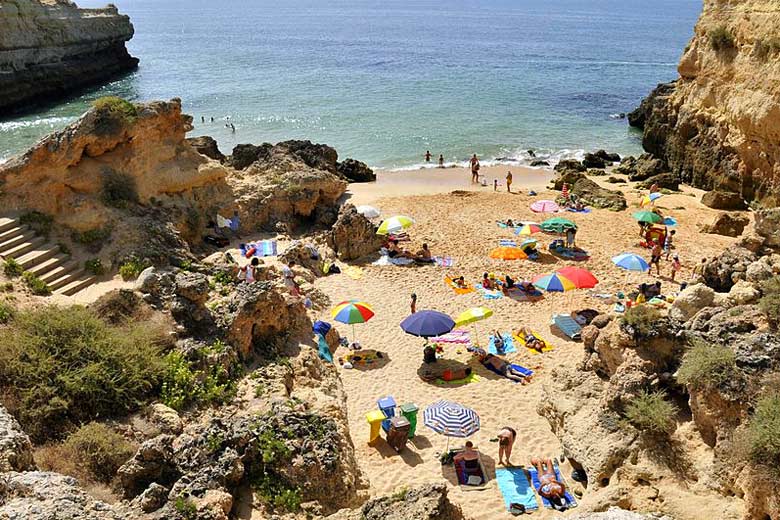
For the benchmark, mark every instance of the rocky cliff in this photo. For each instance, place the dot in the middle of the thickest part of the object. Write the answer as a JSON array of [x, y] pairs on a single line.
[[718, 125], [49, 48]]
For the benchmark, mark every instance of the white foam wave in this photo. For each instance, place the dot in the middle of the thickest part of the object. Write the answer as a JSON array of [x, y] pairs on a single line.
[[10, 126], [511, 158]]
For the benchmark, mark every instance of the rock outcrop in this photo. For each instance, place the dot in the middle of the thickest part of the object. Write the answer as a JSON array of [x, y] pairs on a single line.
[[727, 224], [353, 235], [15, 448], [51, 48], [427, 502], [717, 125], [589, 191]]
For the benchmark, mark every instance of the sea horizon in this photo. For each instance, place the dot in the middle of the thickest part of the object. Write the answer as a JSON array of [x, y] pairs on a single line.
[[384, 83]]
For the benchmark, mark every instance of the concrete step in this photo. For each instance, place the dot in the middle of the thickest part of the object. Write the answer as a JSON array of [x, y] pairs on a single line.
[[64, 278], [12, 232], [7, 223], [15, 240], [59, 271], [76, 286], [24, 247], [49, 264], [36, 256]]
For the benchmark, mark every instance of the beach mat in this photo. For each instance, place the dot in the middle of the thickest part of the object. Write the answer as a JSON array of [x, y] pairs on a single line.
[[506, 242], [461, 336], [460, 471], [363, 358], [524, 296], [488, 294], [583, 210], [443, 261], [521, 341], [515, 488], [509, 345], [262, 248], [571, 502], [471, 378], [567, 325], [458, 290]]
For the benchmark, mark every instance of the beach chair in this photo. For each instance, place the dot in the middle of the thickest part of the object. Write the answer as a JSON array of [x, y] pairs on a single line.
[[571, 502], [568, 326], [515, 488]]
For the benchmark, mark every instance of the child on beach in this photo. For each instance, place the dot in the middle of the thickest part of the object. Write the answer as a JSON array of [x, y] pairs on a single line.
[[441, 161], [675, 266], [509, 182]]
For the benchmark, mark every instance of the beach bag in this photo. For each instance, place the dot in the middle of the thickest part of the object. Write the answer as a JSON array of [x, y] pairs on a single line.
[[516, 509]]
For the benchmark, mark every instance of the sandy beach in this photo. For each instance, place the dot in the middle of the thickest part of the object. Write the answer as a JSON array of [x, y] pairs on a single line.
[[463, 225]]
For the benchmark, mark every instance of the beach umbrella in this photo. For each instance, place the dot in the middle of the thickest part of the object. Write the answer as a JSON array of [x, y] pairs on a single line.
[[508, 253], [394, 225], [427, 324], [557, 225], [554, 283], [545, 206], [473, 315], [670, 221], [528, 242], [527, 228], [451, 419], [351, 312], [368, 211], [649, 200], [630, 262], [649, 217], [582, 278]]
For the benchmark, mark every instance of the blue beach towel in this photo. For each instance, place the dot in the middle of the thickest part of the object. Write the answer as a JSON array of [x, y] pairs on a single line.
[[570, 500], [583, 210], [262, 248], [509, 345], [515, 488], [488, 294], [324, 349], [567, 325], [505, 242], [527, 372]]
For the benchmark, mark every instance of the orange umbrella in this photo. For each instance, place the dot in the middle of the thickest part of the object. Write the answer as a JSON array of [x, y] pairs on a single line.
[[582, 278], [508, 253]]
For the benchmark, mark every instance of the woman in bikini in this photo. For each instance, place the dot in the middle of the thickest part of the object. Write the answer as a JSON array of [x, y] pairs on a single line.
[[531, 341], [550, 488]]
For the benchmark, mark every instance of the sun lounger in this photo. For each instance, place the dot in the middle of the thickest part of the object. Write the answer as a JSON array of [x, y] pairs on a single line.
[[547, 347], [567, 325], [571, 502], [466, 476], [515, 488], [458, 290], [509, 345]]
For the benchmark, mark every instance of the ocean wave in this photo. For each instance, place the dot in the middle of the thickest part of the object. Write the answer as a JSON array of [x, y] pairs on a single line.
[[511, 158], [10, 126]]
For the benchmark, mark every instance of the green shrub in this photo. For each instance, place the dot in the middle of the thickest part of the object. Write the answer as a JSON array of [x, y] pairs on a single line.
[[274, 491], [100, 450], [764, 431], [36, 285], [184, 386], [7, 312], [12, 268], [770, 301], [224, 277], [186, 508], [132, 267], [93, 239], [706, 365], [61, 366], [119, 189], [721, 39], [38, 222], [94, 266], [641, 320], [116, 108], [651, 413]]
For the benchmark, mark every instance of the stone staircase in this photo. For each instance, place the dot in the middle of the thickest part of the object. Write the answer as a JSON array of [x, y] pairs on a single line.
[[34, 253]]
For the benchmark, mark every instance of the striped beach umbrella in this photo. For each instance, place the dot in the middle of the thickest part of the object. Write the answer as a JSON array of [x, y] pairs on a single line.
[[528, 243], [527, 228], [508, 253], [545, 206], [630, 262], [394, 225], [649, 200], [351, 312], [554, 283], [582, 278], [451, 419]]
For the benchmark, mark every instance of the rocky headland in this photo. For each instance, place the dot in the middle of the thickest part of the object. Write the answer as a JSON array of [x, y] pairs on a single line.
[[50, 48]]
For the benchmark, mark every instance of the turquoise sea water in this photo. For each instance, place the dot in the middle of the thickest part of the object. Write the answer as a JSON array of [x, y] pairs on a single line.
[[383, 81]]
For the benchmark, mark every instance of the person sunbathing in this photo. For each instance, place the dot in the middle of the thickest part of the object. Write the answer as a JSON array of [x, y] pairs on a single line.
[[498, 341], [550, 488], [500, 366], [507, 284], [424, 254], [469, 456], [393, 251], [531, 340], [460, 282], [489, 281]]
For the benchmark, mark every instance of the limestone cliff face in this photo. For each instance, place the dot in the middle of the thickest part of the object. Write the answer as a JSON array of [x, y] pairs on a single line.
[[718, 125], [49, 48]]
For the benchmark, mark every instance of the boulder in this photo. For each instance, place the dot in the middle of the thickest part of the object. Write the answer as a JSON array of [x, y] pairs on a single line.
[[152, 499], [607, 157], [595, 172], [354, 236], [539, 162], [15, 447], [615, 180], [589, 192], [743, 293], [356, 171], [305, 254], [665, 181], [206, 145], [165, 418], [690, 301], [627, 166], [768, 226], [244, 155], [423, 502], [593, 161], [751, 241], [724, 200], [192, 286], [153, 462], [763, 269], [723, 271], [569, 164], [727, 224], [646, 166]]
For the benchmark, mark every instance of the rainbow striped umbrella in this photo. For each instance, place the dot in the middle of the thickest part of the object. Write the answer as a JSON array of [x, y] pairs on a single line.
[[582, 278], [528, 228], [351, 312], [554, 283]]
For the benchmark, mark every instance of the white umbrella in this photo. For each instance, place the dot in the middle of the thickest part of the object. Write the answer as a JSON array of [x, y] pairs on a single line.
[[368, 211]]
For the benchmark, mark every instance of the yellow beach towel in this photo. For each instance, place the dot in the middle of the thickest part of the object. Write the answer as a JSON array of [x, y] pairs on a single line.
[[458, 290], [547, 347]]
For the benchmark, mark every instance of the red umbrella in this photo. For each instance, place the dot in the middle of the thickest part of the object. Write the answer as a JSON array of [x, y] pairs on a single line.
[[582, 278]]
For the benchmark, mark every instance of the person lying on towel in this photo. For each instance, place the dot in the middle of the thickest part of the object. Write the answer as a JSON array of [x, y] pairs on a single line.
[[550, 488], [499, 366], [531, 341], [460, 282]]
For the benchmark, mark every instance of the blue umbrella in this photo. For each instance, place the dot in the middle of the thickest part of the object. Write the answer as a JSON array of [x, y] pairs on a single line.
[[451, 419], [670, 221], [631, 262], [427, 324]]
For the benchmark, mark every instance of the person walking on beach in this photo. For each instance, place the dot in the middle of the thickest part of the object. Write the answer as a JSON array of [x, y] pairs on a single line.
[[506, 439], [509, 182], [428, 156], [202, 119], [474, 168], [675, 266], [232, 128], [441, 161], [668, 243], [495, 184]]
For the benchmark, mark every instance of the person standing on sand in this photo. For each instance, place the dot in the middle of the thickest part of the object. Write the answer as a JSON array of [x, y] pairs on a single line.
[[509, 182], [495, 184], [474, 168], [441, 161], [655, 257], [413, 303], [506, 439], [675, 266], [428, 156]]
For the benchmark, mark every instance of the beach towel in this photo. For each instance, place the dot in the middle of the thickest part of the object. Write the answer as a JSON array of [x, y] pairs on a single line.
[[456, 336], [527, 372], [583, 210], [525, 296], [505, 242], [471, 378], [547, 347], [463, 475], [324, 348], [570, 500], [385, 260], [488, 294], [515, 488], [567, 325], [443, 261], [222, 221], [509, 345], [363, 358], [458, 290], [569, 253], [262, 248]]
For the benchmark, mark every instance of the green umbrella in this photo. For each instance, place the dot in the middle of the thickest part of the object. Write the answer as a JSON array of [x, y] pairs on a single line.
[[557, 225], [649, 217]]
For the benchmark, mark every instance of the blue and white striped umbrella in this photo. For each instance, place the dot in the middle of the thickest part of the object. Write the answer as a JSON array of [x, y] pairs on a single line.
[[451, 419]]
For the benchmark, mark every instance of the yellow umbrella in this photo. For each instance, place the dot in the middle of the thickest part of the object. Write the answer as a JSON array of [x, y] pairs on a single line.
[[394, 225], [473, 315]]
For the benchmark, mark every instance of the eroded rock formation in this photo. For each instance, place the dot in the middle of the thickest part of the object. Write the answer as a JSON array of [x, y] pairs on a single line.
[[718, 125], [49, 48]]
